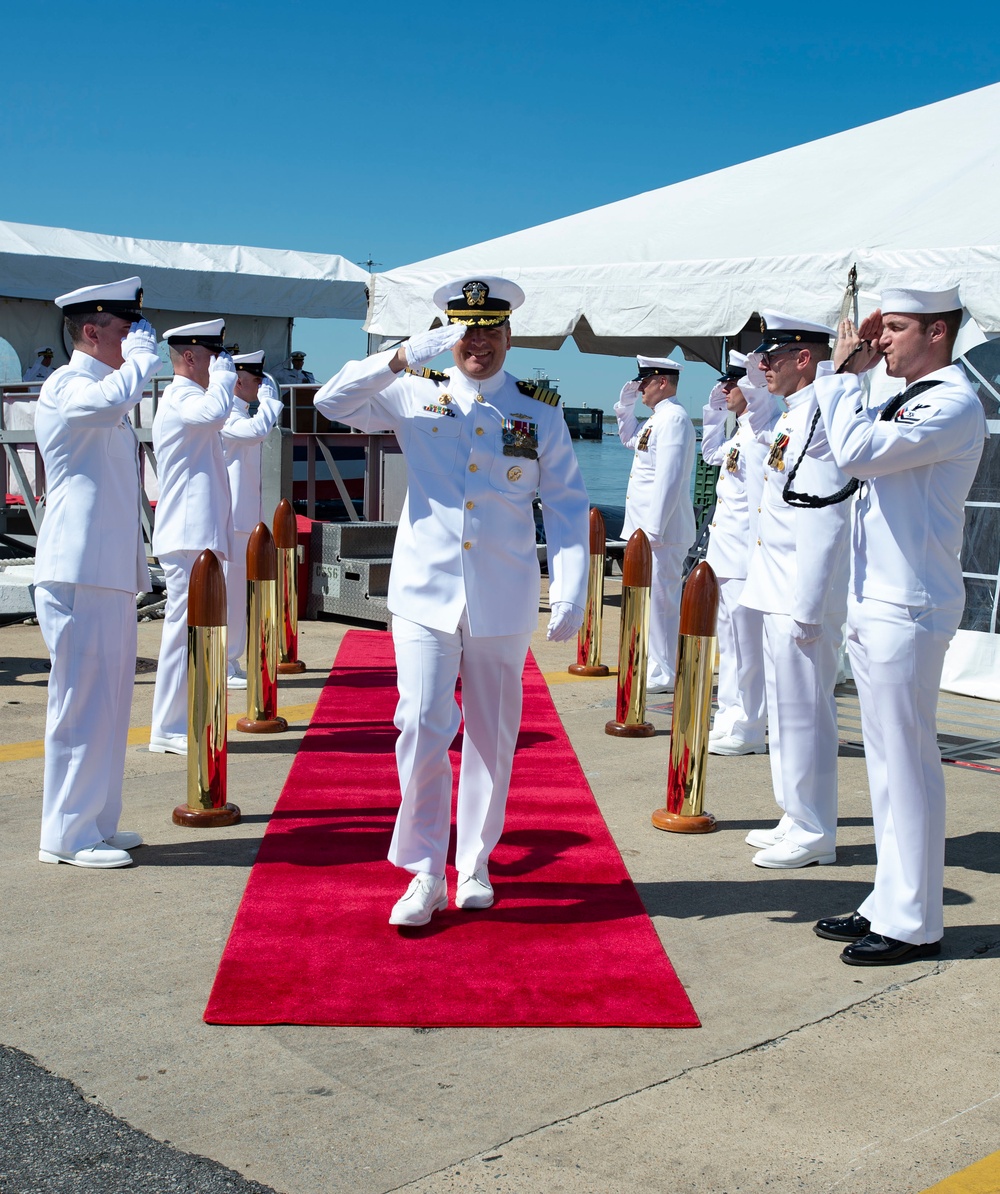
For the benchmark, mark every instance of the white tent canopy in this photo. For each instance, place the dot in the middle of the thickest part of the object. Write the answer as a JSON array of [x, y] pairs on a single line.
[[909, 198], [258, 290]]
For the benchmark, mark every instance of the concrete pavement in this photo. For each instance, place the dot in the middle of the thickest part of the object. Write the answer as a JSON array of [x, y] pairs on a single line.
[[806, 1075]]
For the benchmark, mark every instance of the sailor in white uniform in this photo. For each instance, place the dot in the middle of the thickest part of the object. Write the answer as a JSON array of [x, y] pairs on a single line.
[[464, 585], [242, 438], [41, 367], [741, 720], [291, 373], [89, 565], [916, 457], [658, 501], [797, 577], [194, 511]]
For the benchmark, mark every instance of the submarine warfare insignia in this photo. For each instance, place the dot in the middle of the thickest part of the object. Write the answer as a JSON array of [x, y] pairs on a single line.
[[520, 438], [514, 473], [540, 393], [776, 457], [643, 444], [733, 459]]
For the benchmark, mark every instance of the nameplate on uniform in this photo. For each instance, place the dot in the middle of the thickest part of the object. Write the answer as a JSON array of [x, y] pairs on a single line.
[[643, 444], [434, 408], [776, 457], [520, 438], [733, 459]]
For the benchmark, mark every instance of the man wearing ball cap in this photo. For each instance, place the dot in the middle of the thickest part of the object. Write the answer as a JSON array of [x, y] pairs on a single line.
[[658, 500], [464, 585], [916, 457], [195, 509], [89, 564]]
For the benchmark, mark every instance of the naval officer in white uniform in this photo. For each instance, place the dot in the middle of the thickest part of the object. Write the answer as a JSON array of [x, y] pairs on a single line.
[[464, 585], [291, 373], [243, 435], [195, 509], [741, 719], [916, 457], [658, 501], [89, 564], [41, 367], [797, 578]]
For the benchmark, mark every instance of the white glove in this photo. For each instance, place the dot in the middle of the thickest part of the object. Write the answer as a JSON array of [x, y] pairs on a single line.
[[266, 391], [626, 399], [566, 620], [755, 378], [140, 337], [717, 398], [223, 370], [806, 633], [425, 346]]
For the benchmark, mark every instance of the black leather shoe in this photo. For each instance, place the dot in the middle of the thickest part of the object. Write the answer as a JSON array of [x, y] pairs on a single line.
[[843, 928], [876, 950]]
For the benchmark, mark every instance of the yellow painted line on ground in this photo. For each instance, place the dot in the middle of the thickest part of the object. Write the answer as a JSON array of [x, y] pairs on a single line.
[[138, 736], [981, 1178], [551, 678]]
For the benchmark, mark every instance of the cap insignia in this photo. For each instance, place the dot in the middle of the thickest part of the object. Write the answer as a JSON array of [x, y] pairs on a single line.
[[476, 293]]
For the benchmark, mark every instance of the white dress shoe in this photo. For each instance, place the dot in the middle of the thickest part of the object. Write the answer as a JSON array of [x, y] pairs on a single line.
[[426, 895], [659, 688], [760, 839], [168, 744], [99, 857], [124, 839], [474, 891], [726, 744], [787, 856], [713, 734], [234, 680]]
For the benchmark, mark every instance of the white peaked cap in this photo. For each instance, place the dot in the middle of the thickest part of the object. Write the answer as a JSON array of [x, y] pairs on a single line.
[[43, 350], [192, 333], [115, 297], [904, 300], [250, 358], [737, 360], [664, 364], [778, 321]]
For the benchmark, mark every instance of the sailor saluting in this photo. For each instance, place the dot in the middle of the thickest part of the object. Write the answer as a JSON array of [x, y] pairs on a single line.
[[464, 585]]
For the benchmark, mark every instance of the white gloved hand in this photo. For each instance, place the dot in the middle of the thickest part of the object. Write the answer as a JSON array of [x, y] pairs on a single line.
[[566, 620], [805, 633], [223, 370], [626, 399], [755, 378], [425, 346], [141, 337], [266, 391], [717, 398]]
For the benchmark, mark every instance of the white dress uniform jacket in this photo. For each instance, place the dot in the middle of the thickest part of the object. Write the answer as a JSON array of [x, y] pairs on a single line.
[[89, 565], [906, 602], [466, 537], [797, 577], [37, 371], [242, 437]]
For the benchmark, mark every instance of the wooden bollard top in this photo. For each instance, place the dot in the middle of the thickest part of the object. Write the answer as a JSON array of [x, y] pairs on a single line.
[[637, 566], [207, 591], [598, 537], [286, 531], [700, 601], [262, 556]]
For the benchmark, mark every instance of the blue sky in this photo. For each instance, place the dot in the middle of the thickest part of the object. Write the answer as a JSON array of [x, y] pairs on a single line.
[[402, 131]]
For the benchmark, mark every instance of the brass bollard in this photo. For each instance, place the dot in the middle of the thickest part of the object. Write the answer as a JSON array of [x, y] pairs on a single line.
[[207, 702], [262, 636], [286, 540], [588, 641], [692, 707], [633, 644]]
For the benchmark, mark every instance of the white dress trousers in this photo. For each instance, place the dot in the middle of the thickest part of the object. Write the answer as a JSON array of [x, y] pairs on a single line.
[[742, 711], [236, 600], [90, 634], [170, 693]]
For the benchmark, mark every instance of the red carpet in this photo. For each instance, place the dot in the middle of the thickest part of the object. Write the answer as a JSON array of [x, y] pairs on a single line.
[[566, 943]]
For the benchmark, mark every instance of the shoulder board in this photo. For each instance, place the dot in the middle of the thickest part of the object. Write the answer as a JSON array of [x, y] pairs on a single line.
[[429, 374], [539, 393]]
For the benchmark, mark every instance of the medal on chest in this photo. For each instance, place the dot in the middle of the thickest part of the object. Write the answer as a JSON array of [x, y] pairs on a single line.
[[438, 408], [733, 458], [520, 437], [643, 444], [776, 457]]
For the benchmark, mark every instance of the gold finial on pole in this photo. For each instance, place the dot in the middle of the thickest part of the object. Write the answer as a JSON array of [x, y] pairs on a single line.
[[633, 643], [262, 636], [286, 541], [588, 641]]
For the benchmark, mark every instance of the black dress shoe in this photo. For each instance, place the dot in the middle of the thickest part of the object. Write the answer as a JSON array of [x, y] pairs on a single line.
[[876, 950], [843, 928]]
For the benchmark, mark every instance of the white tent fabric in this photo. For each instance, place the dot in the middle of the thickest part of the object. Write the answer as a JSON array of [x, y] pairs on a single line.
[[258, 290], [911, 197]]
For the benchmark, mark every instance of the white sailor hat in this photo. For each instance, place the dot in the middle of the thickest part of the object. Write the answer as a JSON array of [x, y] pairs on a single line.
[[780, 329], [736, 368], [904, 300], [656, 367], [208, 334], [45, 349], [123, 299], [251, 362], [479, 302]]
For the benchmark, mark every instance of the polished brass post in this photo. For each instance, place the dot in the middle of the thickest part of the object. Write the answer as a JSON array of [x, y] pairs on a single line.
[[207, 702], [588, 641], [633, 643], [286, 540], [262, 636], [689, 729]]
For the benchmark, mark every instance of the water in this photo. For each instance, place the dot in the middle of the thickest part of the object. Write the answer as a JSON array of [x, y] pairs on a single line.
[[605, 465]]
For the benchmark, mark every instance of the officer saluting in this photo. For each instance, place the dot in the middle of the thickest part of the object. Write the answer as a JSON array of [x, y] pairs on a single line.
[[464, 585], [89, 565], [918, 457]]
